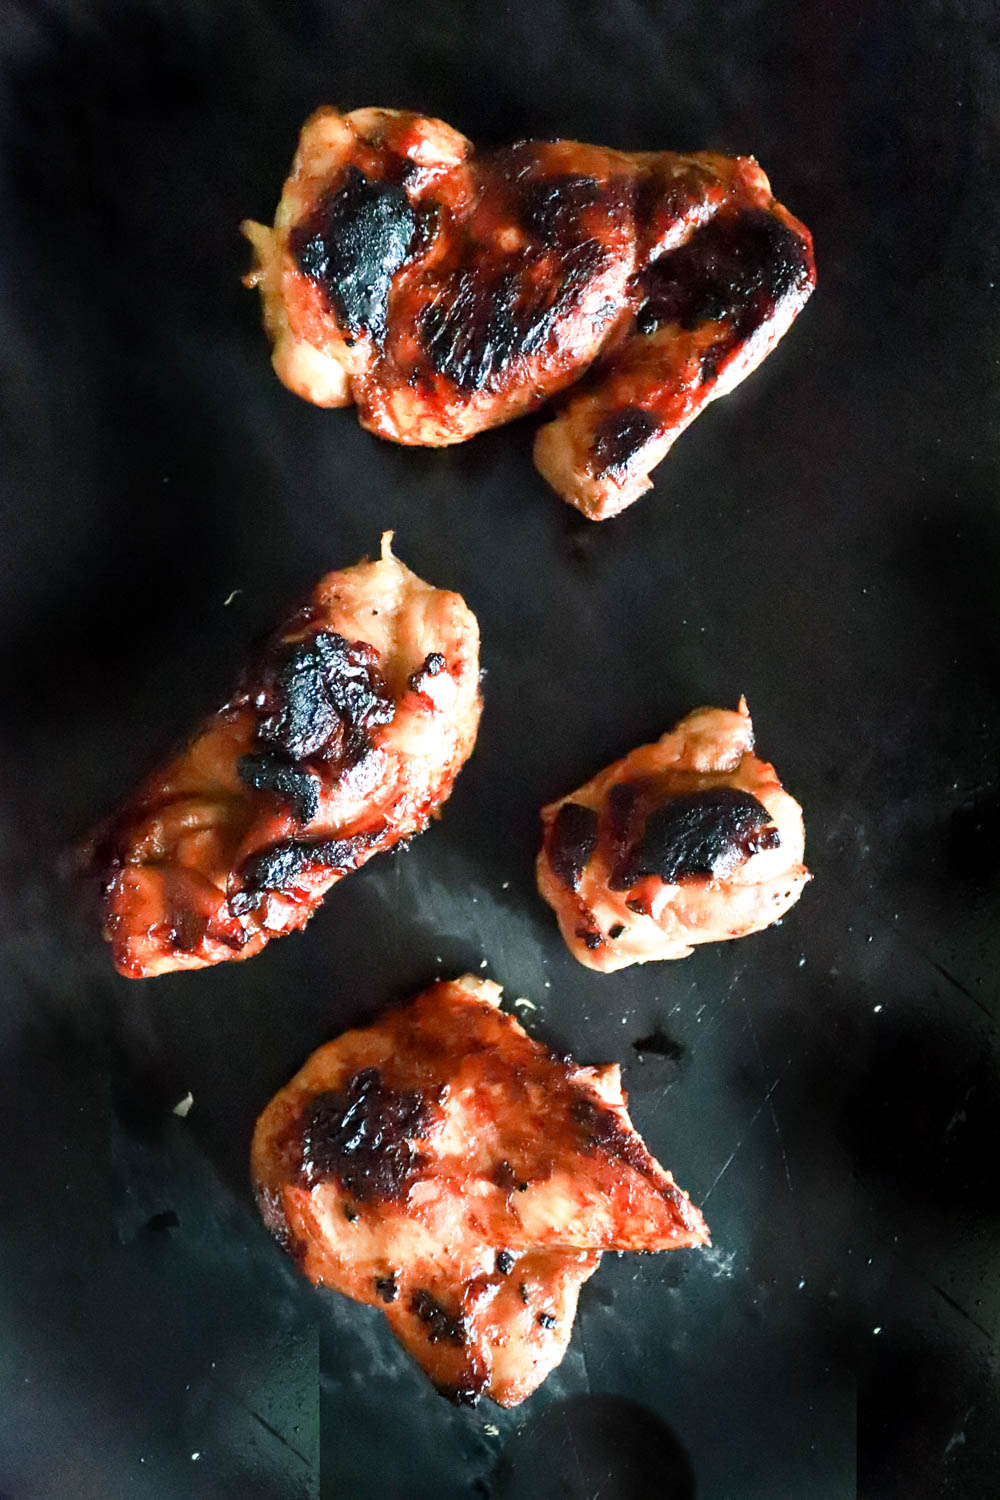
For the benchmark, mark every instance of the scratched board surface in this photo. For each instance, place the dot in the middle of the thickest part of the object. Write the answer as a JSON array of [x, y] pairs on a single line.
[[826, 540]]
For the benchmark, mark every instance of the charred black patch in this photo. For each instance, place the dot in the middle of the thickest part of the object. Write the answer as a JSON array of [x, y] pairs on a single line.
[[712, 357], [572, 840], [698, 834], [623, 808], [387, 1288], [622, 801], [590, 939], [551, 207], [545, 1320], [322, 698], [620, 437], [602, 1131], [361, 1137], [441, 1325], [298, 788], [279, 868], [505, 1262], [504, 1177], [522, 1292], [353, 246], [616, 931], [484, 318], [739, 267], [431, 665]]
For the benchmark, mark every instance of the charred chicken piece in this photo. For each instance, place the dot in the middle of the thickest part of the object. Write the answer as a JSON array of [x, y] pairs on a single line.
[[446, 1167], [691, 840], [444, 291], [343, 738]]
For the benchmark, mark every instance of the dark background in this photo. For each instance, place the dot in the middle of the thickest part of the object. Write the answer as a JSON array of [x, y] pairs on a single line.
[[826, 540]]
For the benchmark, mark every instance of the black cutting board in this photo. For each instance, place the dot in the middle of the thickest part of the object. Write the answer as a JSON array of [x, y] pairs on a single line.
[[826, 540]]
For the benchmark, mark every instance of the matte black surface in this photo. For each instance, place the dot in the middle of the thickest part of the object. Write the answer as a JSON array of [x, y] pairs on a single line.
[[826, 540]]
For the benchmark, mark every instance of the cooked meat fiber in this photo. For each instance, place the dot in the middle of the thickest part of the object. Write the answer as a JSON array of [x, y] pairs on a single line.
[[691, 840], [344, 737], [445, 1167], [444, 291]]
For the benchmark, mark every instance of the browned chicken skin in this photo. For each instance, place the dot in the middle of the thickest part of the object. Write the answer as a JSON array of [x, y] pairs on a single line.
[[444, 1166], [344, 738], [690, 840], [445, 291]]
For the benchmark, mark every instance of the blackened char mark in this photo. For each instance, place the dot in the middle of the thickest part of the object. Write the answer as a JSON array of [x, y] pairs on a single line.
[[431, 665], [279, 868], [622, 801], [696, 835], [386, 1287], [362, 1137], [551, 207], [483, 319], [503, 1176], [296, 787], [322, 697], [620, 438], [572, 840], [441, 1325], [353, 245], [739, 267], [505, 1262], [623, 806], [602, 1132]]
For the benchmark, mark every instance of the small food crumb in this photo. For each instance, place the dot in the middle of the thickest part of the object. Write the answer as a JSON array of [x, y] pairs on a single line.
[[183, 1106], [483, 964], [524, 1005], [877, 1009], [195, 1457], [490, 1430], [228, 601], [505, 886], [878, 1329]]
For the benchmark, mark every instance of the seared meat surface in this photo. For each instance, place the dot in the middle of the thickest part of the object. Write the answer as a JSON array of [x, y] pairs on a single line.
[[690, 840], [344, 737], [442, 1165], [445, 291]]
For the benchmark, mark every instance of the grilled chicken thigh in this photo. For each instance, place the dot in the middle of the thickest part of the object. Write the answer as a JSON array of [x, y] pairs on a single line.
[[444, 1166], [445, 291], [343, 738], [690, 840]]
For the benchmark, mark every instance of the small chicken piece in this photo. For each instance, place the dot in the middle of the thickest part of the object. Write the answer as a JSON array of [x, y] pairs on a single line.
[[445, 291], [344, 738], [445, 1166], [691, 840]]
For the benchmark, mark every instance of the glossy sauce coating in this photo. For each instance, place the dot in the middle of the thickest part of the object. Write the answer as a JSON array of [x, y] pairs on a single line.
[[444, 1166], [340, 741], [444, 291], [689, 840]]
